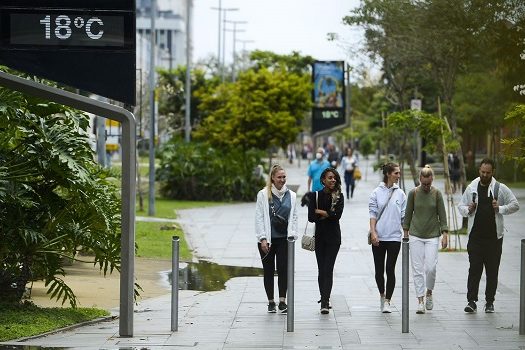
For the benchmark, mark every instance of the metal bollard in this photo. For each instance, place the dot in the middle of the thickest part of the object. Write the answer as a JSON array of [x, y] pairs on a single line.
[[291, 276], [522, 289], [405, 301], [175, 284]]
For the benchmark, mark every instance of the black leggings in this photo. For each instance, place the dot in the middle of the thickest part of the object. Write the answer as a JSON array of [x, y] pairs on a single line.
[[278, 253], [391, 250], [350, 183], [326, 253]]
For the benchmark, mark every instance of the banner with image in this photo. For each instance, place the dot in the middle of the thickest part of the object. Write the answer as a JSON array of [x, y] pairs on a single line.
[[328, 95]]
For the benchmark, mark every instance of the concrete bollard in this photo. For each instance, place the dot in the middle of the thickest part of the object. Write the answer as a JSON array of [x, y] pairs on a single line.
[[522, 289], [175, 284], [405, 300], [291, 276]]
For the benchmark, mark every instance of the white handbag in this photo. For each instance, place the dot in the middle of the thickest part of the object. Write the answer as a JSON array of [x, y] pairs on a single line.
[[308, 239]]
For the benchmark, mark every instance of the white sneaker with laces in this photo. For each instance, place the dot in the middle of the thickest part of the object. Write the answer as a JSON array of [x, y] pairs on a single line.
[[381, 303], [420, 308], [429, 303], [386, 307]]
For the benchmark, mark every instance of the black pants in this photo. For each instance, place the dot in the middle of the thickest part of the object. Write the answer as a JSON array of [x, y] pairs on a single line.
[[278, 253], [326, 253], [350, 183], [390, 249], [483, 253]]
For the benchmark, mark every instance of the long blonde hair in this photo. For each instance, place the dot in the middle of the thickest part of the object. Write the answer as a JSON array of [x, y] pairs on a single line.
[[275, 168]]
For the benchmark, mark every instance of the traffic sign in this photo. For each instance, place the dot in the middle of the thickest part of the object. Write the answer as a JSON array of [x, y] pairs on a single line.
[[89, 45]]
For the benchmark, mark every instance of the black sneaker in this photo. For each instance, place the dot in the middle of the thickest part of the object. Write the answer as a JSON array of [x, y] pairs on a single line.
[[271, 307], [471, 307], [283, 308], [489, 308], [325, 307]]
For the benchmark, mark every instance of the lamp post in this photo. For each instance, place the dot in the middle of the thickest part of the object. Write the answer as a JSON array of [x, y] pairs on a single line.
[[220, 52]]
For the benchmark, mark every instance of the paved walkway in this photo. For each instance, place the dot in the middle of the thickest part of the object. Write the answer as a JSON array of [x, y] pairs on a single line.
[[236, 317]]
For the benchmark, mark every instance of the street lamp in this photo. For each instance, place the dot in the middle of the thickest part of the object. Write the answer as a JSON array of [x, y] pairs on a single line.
[[222, 10]]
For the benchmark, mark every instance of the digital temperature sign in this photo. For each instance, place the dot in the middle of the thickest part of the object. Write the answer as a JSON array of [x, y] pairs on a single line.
[[86, 44], [66, 29]]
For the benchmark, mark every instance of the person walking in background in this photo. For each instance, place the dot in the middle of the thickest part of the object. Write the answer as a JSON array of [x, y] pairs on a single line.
[[454, 171], [425, 220], [484, 202], [348, 163], [315, 169], [275, 221], [387, 210], [325, 208]]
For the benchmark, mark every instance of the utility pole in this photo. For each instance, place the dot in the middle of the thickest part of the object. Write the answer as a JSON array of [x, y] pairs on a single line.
[[223, 67], [244, 42], [219, 9], [234, 30], [221, 41], [151, 205], [187, 119]]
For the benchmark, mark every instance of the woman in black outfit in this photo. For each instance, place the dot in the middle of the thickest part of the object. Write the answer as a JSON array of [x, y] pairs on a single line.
[[325, 211]]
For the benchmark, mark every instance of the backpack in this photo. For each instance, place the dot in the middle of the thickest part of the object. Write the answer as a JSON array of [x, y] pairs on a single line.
[[496, 190]]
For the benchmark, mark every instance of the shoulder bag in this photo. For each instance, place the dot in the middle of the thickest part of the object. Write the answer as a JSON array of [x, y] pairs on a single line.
[[379, 216], [308, 239]]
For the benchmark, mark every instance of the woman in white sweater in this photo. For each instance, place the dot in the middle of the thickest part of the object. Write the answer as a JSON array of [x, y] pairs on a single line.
[[275, 221], [387, 210]]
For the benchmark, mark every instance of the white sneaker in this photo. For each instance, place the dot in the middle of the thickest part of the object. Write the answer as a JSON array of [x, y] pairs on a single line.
[[420, 308], [429, 303], [381, 303], [386, 307]]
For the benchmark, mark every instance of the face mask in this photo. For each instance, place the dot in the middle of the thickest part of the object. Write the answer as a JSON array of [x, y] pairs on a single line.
[[318, 156]]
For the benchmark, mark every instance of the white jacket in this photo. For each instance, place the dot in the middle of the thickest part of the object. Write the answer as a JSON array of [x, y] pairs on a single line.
[[388, 227], [508, 204], [262, 216]]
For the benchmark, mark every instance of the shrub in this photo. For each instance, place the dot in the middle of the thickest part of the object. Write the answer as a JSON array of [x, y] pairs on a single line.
[[197, 171]]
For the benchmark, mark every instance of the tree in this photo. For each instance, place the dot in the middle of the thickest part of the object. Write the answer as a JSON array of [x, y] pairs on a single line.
[[261, 109], [54, 199]]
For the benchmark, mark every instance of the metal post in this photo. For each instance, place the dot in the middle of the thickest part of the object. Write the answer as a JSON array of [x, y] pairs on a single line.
[[522, 289], [291, 272], [187, 112], [405, 301], [153, 34], [175, 285]]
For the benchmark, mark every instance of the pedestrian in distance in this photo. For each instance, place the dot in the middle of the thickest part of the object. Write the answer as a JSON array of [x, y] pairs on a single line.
[[425, 221], [484, 202], [315, 169], [275, 221], [325, 208], [386, 206], [348, 164]]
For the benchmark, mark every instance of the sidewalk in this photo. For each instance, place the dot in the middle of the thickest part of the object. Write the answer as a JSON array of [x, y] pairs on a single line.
[[236, 317]]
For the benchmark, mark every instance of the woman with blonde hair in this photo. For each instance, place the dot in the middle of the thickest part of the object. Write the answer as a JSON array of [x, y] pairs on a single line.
[[425, 221], [275, 221]]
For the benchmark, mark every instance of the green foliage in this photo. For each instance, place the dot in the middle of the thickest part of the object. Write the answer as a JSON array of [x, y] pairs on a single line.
[[260, 110], [514, 147], [154, 240], [294, 63], [167, 208], [25, 320], [197, 171], [54, 199]]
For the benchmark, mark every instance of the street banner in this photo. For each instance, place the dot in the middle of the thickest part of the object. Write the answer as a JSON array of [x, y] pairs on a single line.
[[328, 95]]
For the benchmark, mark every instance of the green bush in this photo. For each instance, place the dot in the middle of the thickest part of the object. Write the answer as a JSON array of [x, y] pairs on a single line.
[[197, 171]]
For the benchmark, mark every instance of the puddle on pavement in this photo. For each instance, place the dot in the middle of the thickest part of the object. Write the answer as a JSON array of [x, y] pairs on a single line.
[[206, 276]]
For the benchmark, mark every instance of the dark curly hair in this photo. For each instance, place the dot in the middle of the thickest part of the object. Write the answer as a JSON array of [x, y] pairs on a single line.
[[337, 190]]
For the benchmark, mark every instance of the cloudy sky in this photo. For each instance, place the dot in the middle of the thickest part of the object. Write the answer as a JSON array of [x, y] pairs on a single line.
[[281, 26]]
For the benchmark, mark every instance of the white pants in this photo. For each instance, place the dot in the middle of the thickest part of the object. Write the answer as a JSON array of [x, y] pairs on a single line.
[[424, 257]]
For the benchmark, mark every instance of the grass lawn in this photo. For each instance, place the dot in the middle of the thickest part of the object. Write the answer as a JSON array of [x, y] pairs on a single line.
[[154, 240], [27, 319], [166, 208]]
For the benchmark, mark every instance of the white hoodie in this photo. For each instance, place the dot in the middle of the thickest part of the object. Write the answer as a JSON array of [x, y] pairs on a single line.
[[388, 227], [508, 204]]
